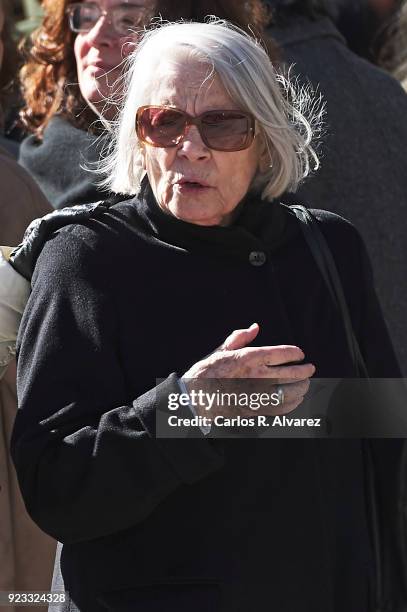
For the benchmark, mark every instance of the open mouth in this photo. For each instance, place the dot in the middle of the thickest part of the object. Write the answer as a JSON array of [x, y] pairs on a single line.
[[192, 186]]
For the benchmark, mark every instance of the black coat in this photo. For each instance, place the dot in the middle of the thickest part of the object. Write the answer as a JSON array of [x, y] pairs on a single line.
[[191, 524]]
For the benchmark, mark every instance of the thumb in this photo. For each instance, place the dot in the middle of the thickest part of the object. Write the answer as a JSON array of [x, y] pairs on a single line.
[[240, 338]]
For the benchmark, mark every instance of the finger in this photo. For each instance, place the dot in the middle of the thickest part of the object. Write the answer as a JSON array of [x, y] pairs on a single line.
[[277, 375], [288, 407], [271, 355], [289, 374], [240, 338], [285, 408], [293, 396], [295, 391]]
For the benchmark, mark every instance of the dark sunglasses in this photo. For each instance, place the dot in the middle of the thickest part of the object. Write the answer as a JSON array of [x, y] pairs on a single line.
[[221, 130]]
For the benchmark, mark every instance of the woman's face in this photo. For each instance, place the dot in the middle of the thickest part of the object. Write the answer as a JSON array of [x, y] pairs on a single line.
[[100, 51], [227, 176]]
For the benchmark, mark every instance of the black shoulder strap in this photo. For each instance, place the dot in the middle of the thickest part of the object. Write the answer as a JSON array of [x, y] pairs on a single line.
[[326, 264]]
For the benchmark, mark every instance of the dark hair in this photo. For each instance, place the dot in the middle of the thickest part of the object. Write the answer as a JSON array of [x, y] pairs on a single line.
[[281, 10], [49, 76], [9, 67], [392, 45], [363, 27]]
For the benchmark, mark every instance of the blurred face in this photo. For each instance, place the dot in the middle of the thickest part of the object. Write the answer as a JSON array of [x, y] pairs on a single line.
[[100, 51], [192, 181], [1, 33]]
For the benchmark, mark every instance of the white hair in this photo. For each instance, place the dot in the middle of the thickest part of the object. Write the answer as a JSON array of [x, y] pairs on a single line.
[[243, 66]]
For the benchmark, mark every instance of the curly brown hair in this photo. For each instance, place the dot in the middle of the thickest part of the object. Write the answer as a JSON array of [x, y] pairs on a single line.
[[10, 65], [49, 76]]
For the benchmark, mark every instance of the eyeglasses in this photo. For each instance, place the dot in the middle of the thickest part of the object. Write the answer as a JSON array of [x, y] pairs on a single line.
[[83, 16], [221, 130]]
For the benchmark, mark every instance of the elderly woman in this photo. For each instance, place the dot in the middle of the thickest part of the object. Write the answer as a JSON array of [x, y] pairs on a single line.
[[128, 302], [71, 80]]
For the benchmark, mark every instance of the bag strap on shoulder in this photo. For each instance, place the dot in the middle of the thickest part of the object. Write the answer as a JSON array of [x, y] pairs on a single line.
[[326, 264]]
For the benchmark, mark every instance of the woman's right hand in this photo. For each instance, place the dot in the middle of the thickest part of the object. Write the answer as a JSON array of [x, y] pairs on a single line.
[[235, 360]]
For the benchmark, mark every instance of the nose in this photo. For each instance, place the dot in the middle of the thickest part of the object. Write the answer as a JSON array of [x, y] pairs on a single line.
[[192, 147], [102, 34]]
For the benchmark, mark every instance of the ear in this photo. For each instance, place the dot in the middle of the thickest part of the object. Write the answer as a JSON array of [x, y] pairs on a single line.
[[264, 154]]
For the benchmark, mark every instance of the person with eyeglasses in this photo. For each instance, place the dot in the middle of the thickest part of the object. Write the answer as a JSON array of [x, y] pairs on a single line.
[[72, 82], [129, 302], [70, 71]]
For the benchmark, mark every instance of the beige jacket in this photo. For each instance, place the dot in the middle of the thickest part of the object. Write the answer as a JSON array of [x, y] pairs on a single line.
[[26, 553]]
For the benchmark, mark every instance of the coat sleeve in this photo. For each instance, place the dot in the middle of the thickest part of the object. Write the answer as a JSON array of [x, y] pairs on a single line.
[[86, 454]]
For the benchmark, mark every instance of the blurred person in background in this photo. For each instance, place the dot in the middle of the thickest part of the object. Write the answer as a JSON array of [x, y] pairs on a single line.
[[362, 175], [71, 79], [26, 553], [363, 23], [392, 55], [9, 60]]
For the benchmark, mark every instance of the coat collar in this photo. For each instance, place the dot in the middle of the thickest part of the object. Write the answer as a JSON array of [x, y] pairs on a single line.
[[259, 226]]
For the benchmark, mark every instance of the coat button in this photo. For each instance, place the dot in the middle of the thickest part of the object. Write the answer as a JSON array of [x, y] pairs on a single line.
[[257, 258]]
